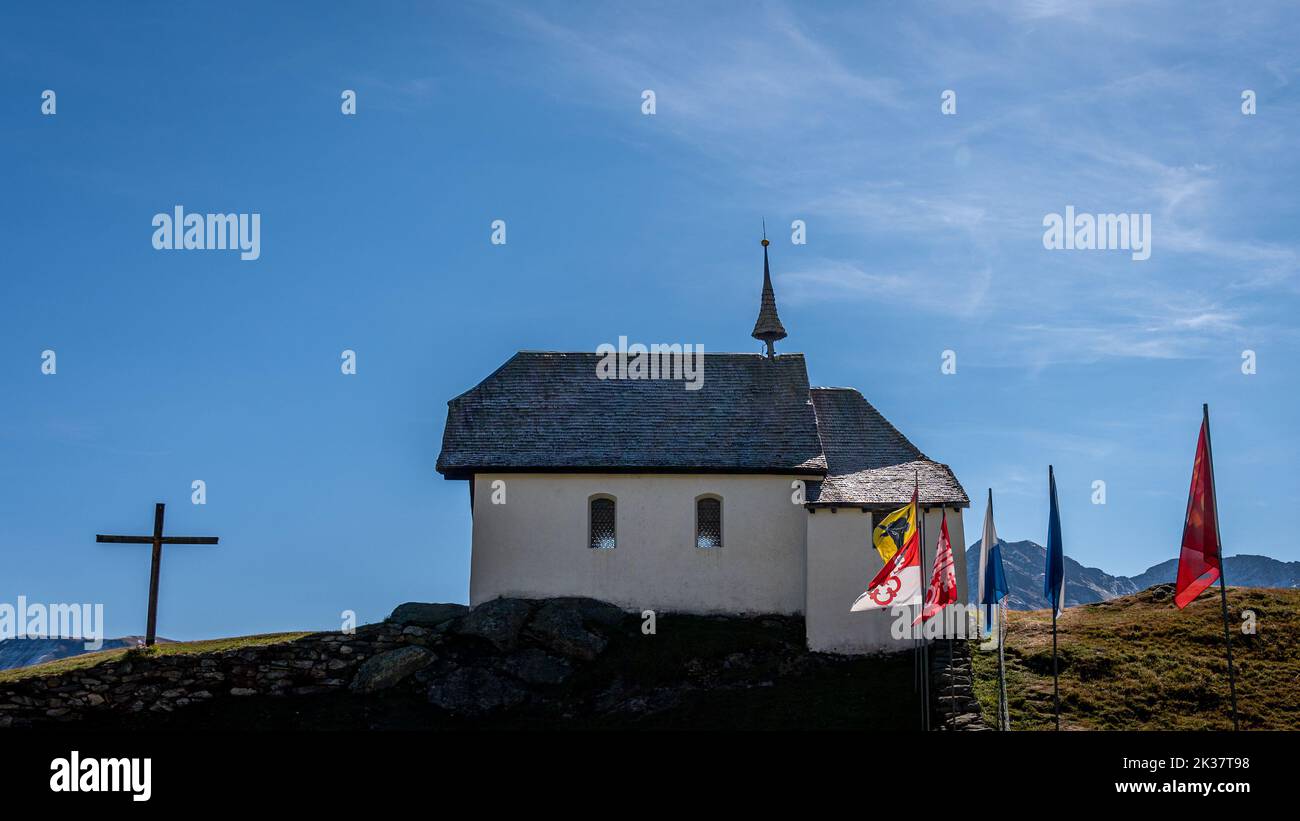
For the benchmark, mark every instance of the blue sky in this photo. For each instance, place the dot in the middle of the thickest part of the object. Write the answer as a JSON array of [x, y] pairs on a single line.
[[924, 234]]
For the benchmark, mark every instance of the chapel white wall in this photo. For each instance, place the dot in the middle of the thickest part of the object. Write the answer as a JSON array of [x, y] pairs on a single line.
[[841, 561], [536, 544]]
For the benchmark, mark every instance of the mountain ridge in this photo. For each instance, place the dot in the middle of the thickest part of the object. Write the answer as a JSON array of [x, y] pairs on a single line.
[[1023, 562], [28, 651]]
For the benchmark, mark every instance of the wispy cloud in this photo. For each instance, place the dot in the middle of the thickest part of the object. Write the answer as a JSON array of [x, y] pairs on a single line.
[[904, 200]]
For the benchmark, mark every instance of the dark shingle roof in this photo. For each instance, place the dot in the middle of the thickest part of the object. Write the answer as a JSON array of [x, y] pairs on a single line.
[[869, 462], [549, 411]]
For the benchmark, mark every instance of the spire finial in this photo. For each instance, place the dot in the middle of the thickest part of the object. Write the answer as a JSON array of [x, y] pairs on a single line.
[[768, 328]]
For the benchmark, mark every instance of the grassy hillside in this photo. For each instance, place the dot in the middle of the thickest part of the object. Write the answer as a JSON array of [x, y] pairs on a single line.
[[1139, 663], [88, 660]]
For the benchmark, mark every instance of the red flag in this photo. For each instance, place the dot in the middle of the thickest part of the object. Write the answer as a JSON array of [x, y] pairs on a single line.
[[1198, 563], [943, 583]]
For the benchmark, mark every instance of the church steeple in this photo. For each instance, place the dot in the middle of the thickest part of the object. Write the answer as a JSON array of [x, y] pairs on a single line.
[[768, 328]]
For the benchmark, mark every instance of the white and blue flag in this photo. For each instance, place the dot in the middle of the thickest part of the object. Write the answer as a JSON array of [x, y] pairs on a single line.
[[992, 581]]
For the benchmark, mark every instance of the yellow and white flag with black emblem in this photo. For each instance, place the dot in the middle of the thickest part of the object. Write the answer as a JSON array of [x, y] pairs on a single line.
[[896, 531]]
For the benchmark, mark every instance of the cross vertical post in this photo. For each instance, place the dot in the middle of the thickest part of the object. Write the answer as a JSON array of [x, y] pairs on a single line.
[[151, 631]]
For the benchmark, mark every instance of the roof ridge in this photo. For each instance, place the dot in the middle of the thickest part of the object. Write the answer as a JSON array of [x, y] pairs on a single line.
[[553, 410]]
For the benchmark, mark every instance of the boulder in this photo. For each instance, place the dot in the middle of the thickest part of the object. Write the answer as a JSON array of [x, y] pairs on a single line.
[[592, 611], [421, 614], [498, 621], [558, 625], [474, 691], [534, 666], [390, 667]]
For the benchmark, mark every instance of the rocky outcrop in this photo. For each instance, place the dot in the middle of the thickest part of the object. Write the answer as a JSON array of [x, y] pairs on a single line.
[[560, 627], [472, 691], [466, 662], [506, 663], [533, 666], [498, 621], [426, 615], [390, 667]]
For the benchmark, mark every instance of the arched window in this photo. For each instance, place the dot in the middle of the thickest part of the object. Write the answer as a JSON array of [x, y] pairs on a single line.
[[708, 522], [601, 510]]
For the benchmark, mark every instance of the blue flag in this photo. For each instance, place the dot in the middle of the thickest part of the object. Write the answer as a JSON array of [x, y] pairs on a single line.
[[1054, 574], [992, 581]]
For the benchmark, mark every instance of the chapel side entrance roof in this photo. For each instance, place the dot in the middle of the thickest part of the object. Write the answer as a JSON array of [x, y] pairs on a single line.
[[548, 411], [869, 462]]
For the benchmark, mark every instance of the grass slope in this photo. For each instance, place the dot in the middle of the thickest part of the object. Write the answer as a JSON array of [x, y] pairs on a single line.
[[87, 660], [1138, 663]]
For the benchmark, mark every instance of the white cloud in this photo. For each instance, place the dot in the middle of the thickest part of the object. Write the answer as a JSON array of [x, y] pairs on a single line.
[[906, 202]]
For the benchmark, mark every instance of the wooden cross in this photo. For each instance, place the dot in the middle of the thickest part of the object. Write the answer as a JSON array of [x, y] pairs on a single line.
[[157, 540]]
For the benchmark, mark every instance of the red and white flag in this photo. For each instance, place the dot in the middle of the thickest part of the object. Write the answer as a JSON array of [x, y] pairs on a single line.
[[943, 583], [897, 583]]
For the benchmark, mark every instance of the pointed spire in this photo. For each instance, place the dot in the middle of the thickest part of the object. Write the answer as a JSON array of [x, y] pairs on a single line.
[[768, 328]]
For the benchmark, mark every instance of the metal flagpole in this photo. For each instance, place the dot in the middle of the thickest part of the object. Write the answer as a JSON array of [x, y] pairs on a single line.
[[918, 650], [918, 670], [915, 642], [1223, 585], [952, 683], [1056, 680], [1004, 709], [925, 649]]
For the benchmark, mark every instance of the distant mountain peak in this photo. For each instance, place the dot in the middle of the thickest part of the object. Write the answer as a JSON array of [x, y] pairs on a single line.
[[29, 651], [1023, 562]]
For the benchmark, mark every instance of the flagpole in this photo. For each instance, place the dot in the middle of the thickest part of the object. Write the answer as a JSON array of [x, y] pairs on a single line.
[[996, 630], [1004, 709], [1056, 679], [918, 643], [950, 628], [952, 684], [994, 612], [925, 649], [915, 642], [1223, 585]]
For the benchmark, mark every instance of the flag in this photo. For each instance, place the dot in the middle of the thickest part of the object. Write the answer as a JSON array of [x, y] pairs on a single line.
[[992, 581], [943, 582], [1054, 573], [1198, 563], [896, 530], [897, 583]]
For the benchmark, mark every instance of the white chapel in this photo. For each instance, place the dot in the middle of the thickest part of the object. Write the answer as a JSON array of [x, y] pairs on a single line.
[[754, 493]]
